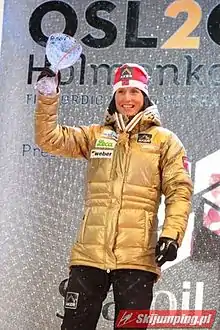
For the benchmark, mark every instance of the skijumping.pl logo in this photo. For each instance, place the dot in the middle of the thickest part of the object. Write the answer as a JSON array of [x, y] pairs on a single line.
[[165, 318]]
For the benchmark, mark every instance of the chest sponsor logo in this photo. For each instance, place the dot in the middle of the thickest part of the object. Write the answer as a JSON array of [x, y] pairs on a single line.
[[105, 143], [144, 138], [110, 134], [96, 153]]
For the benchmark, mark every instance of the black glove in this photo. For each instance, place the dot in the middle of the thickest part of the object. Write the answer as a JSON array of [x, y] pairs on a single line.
[[47, 72], [166, 250]]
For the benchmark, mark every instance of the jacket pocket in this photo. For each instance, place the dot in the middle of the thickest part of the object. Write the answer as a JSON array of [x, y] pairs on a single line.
[[150, 232], [80, 237]]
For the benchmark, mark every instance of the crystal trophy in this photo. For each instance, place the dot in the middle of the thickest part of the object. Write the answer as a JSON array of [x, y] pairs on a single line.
[[62, 51]]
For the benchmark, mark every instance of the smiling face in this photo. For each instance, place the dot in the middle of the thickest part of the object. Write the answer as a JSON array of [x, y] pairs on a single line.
[[129, 100]]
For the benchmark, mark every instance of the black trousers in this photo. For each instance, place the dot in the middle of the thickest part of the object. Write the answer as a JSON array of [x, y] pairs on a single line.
[[88, 287]]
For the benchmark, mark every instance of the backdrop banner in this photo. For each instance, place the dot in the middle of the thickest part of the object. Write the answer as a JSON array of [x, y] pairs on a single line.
[[41, 200]]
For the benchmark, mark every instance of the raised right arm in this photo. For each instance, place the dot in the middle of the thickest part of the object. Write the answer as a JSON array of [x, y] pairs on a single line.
[[57, 139]]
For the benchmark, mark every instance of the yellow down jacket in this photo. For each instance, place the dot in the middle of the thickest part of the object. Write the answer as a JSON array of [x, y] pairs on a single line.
[[128, 171]]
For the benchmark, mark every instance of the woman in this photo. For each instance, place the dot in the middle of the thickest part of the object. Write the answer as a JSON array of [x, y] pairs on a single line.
[[132, 160]]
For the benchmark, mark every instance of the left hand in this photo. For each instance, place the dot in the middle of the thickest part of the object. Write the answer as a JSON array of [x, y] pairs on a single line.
[[166, 250], [47, 72]]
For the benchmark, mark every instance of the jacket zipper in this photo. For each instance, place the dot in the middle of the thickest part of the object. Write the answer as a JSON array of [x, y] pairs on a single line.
[[125, 171], [111, 176]]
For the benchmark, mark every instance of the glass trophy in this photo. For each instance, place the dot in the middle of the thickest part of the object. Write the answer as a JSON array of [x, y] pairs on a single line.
[[62, 51]]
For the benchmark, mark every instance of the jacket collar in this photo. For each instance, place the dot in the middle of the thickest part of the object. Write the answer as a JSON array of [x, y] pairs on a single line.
[[140, 122]]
